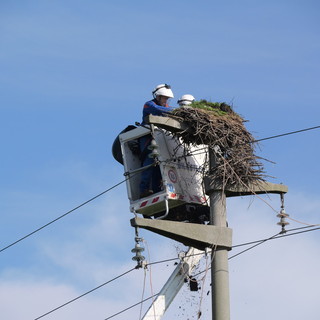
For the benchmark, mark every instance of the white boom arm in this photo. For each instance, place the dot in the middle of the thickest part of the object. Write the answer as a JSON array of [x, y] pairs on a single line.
[[173, 284]]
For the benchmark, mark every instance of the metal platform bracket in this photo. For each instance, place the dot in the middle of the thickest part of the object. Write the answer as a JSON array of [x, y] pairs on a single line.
[[199, 236], [166, 123], [261, 187]]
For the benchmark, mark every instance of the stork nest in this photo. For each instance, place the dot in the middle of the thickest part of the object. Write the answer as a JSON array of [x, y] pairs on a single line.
[[222, 130]]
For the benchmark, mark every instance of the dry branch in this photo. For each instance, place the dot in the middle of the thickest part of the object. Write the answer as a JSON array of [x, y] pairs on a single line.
[[219, 127]]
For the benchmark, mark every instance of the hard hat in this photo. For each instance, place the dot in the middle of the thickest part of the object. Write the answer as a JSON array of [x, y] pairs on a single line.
[[186, 99], [162, 90]]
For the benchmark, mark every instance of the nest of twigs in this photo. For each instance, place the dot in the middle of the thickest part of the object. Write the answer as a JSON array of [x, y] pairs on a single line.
[[222, 130]]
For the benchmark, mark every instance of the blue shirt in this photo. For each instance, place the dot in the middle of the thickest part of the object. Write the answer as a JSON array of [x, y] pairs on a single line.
[[151, 107]]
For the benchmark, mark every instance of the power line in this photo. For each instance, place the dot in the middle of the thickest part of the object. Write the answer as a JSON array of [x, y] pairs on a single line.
[[86, 202], [257, 242], [95, 197], [279, 236], [295, 233], [84, 294], [167, 260], [62, 216], [276, 236], [286, 134], [254, 141], [134, 305]]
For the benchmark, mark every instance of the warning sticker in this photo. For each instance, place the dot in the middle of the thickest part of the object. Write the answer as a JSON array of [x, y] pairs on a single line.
[[172, 176]]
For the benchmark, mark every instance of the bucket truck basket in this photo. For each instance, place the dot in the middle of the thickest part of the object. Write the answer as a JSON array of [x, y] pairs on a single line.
[[182, 169]]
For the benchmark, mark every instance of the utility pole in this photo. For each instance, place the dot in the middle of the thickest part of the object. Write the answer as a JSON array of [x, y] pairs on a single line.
[[219, 256]]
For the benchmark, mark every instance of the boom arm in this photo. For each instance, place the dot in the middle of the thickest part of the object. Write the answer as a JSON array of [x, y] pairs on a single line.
[[173, 285]]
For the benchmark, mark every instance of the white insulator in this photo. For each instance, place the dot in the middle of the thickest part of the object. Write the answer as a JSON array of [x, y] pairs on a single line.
[[282, 223], [135, 258], [137, 248], [154, 154], [153, 145], [138, 257]]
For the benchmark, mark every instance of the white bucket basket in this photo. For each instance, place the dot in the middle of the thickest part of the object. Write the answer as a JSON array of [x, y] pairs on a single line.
[[181, 168]]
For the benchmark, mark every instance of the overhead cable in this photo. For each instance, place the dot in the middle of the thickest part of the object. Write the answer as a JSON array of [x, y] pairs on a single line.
[[280, 236], [84, 294], [246, 243], [86, 202], [134, 305], [257, 242], [62, 216], [286, 134], [256, 140]]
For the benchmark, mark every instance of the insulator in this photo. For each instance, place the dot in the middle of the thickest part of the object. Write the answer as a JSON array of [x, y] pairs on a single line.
[[153, 154], [138, 257], [282, 214], [152, 145], [137, 248], [283, 223]]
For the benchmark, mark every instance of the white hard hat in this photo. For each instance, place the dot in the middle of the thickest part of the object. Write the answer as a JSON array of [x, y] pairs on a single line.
[[186, 99], [162, 90]]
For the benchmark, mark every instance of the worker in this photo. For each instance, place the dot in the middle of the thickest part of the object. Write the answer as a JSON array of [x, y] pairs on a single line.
[[158, 106], [186, 100]]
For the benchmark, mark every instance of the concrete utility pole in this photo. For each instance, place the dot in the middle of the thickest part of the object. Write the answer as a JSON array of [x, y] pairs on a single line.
[[219, 263]]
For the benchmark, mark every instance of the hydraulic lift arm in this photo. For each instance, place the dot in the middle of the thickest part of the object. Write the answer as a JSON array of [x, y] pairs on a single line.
[[174, 284]]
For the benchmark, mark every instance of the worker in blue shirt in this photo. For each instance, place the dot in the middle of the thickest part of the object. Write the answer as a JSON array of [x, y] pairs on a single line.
[[151, 177], [158, 106]]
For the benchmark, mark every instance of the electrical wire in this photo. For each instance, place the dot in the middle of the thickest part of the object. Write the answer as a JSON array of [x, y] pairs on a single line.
[[143, 289], [301, 222], [100, 194], [258, 140], [62, 216], [289, 230], [150, 277], [129, 177], [241, 245], [295, 233], [203, 283], [259, 197], [226, 163], [276, 236], [134, 305], [286, 134], [257, 242], [84, 294], [162, 261], [246, 243]]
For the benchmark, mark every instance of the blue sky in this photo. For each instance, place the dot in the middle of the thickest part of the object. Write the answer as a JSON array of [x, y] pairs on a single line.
[[75, 73]]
